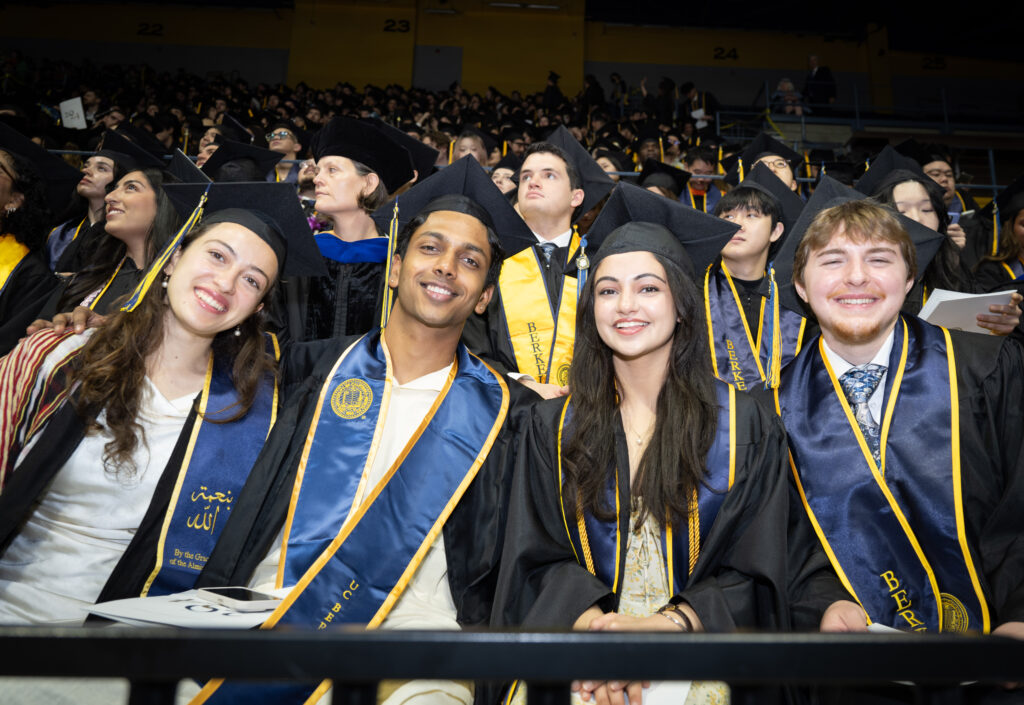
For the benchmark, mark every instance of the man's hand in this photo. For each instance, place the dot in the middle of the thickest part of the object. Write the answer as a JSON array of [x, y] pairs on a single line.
[[79, 319], [844, 616], [1003, 317], [548, 391]]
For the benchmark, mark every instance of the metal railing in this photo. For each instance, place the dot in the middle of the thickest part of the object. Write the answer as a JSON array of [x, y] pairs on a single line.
[[155, 659]]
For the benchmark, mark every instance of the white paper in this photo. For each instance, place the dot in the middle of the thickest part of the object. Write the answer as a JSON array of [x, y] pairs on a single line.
[[183, 609], [72, 114], [699, 116], [957, 311]]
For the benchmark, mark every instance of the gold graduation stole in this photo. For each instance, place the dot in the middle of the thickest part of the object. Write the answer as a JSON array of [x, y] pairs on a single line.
[[541, 335], [894, 532], [11, 254]]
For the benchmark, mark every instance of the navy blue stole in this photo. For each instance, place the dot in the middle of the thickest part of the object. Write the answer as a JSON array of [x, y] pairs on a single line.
[[352, 549], [600, 546], [741, 356], [895, 534], [214, 470]]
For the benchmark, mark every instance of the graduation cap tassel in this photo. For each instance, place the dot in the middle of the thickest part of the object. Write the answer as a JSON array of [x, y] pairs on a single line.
[[740, 163], [386, 300], [158, 264], [661, 149], [720, 169], [582, 266], [774, 370], [995, 228], [451, 148]]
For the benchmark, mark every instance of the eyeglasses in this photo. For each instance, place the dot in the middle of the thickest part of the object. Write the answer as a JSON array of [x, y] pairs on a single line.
[[774, 163], [940, 174], [279, 135]]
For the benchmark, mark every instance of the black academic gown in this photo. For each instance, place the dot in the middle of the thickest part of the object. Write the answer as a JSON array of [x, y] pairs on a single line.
[[748, 574], [473, 534], [346, 301], [29, 287]]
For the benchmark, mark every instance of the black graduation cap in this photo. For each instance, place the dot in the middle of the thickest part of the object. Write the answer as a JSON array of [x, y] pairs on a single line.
[[230, 151], [468, 178], [185, 170], [596, 183], [832, 193], [764, 179], [762, 145], [269, 209], [144, 139], [233, 129], [884, 163], [619, 159], [59, 177], [301, 136], [363, 143], [1010, 200], [657, 173], [509, 161], [128, 155], [924, 153], [423, 156], [697, 238]]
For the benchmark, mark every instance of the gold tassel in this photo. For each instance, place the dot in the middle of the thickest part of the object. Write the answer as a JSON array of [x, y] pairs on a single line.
[[386, 300]]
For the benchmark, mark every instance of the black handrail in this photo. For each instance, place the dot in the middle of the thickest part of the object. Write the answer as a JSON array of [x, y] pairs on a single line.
[[161, 656]]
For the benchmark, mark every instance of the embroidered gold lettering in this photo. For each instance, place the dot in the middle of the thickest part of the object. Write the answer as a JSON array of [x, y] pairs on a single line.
[[903, 603], [890, 579]]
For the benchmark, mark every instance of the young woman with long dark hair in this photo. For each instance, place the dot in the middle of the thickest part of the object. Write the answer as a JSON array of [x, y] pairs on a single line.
[[654, 498], [122, 448]]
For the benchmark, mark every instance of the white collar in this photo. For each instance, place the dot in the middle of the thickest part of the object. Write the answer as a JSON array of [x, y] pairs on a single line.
[[432, 381], [562, 240], [840, 366]]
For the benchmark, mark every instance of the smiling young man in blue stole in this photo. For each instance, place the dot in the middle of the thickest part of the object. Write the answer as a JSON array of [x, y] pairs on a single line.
[[905, 438], [391, 464]]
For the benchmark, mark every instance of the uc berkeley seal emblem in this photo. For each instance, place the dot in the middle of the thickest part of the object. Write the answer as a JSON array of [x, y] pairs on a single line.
[[352, 398]]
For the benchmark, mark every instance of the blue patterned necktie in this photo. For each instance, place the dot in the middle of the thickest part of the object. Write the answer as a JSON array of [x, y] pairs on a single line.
[[859, 384], [547, 249]]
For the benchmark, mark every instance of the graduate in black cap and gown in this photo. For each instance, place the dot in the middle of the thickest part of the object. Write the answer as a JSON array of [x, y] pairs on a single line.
[[528, 327], [409, 520], [655, 497], [358, 165], [125, 446]]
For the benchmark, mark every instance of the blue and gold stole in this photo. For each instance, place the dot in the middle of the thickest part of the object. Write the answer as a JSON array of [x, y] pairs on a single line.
[[895, 534], [217, 463], [739, 356], [541, 334], [600, 546], [1015, 268], [11, 254], [350, 549]]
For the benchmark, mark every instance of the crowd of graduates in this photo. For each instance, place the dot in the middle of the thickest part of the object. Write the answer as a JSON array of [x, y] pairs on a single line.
[[498, 361]]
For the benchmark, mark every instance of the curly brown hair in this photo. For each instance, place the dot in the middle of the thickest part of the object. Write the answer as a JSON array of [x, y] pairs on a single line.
[[110, 371]]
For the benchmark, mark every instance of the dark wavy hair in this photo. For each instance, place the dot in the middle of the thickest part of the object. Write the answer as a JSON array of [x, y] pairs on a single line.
[[1010, 247], [673, 465], [108, 251], [110, 371], [29, 224]]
